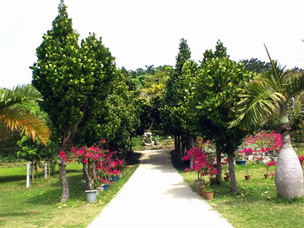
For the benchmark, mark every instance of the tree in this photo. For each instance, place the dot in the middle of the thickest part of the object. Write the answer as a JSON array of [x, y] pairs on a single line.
[[78, 84], [16, 117], [256, 65], [219, 82], [57, 75], [171, 109], [268, 97]]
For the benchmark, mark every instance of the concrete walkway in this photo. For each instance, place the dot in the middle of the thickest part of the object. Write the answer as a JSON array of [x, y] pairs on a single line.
[[157, 196]]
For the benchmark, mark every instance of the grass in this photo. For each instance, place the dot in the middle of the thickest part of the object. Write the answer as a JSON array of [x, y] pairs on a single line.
[[257, 205], [38, 206]]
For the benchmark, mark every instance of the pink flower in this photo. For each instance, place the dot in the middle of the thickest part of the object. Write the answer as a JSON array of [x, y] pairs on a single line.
[[62, 155], [301, 159], [271, 163]]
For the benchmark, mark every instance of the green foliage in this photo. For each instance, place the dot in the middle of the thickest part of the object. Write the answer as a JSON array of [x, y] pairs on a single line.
[[57, 75], [256, 65], [8, 144], [219, 82], [173, 101], [268, 96], [16, 117], [86, 97]]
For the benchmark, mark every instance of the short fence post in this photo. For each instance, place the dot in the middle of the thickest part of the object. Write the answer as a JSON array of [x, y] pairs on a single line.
[[46, 170], [28, 174]]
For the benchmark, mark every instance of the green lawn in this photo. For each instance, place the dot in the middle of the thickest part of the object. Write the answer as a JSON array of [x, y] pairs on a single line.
[[38, 206], [257, 205]]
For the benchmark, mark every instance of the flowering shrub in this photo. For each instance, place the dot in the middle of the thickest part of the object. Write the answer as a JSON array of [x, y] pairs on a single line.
[[301, 159], [202, 162], [262, 143], [268, 164], [99, 164]]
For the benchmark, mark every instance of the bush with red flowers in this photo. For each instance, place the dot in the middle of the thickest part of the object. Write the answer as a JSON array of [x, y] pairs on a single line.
[[201, 162], [99, 164]]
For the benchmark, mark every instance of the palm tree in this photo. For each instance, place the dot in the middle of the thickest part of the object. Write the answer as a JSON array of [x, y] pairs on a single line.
[[267, 97], [14, 117]]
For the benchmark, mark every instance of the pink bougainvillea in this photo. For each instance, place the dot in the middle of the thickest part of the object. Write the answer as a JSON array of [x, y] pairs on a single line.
[[201, 162], [99, 164], [301, 159], [268, 164], [264, 143]]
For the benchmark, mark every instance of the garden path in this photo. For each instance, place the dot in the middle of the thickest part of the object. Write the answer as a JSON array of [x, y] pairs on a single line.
[[157, 196]]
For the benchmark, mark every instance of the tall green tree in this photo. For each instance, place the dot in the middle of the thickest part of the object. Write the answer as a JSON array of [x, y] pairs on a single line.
[[80, 85], [16, 117], [268, 97], [171, 109], [219, 82], [57, 74]]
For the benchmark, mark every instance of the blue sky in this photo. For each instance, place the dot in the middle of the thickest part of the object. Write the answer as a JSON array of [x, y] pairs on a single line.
[[146, 32]]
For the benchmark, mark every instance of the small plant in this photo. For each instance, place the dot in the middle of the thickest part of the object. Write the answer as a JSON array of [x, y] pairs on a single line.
[[268, 164]]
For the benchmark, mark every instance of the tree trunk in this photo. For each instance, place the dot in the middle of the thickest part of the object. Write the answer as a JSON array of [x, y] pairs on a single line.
[[53, 166], [67, 140], [218, 165], [32, 172], [175, 145], [179, 147], [183, 141], [64, 181], [130, 144], [190, 140], [289, 174], [36, 169], [233, 186]]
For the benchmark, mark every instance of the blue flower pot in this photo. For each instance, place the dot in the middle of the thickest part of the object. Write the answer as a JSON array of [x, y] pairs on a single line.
[[105, 187], [115, 178], [241, 162]]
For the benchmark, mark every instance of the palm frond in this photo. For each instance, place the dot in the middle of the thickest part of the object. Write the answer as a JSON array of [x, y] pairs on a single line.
[[258, 103], [276, 70], [16, 95], [30, 125], [295, 86]]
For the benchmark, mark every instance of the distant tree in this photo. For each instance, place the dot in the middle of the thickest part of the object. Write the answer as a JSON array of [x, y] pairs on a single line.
[[256, 65]]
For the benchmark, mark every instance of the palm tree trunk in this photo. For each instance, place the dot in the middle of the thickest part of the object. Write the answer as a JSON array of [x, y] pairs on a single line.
[[289, 174]]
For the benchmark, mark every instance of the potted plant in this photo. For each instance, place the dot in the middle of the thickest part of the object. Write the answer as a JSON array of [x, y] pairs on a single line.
[[241, 157], [247, 176], [268, 164], [98, 166], [208, 192], [202, 164]]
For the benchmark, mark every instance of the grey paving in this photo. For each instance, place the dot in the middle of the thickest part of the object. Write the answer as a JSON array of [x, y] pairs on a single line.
[[157, 196]]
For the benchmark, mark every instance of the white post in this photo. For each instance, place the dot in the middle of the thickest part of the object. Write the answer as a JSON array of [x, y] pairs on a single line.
[[28, 174], [46, 170]]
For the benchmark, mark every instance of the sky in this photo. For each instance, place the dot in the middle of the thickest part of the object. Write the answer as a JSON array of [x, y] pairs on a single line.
[[148, 32]]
